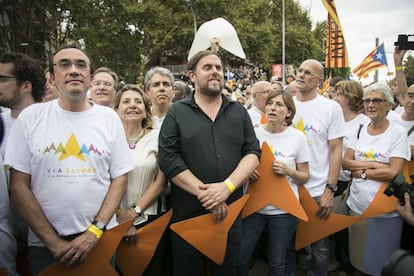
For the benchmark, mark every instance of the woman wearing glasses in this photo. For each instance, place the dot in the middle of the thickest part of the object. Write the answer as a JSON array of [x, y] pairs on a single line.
[[375, 154]]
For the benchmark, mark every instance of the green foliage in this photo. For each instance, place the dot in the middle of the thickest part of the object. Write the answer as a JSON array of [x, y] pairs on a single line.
[[130, 36], [409, 66]]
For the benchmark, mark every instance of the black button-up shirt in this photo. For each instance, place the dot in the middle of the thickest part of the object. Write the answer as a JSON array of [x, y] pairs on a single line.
[[211, 150]]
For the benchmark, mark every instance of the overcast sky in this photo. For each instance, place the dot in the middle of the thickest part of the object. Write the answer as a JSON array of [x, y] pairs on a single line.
[[364, 20]]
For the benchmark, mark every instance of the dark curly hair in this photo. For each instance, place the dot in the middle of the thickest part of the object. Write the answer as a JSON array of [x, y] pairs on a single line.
[[26, 69]]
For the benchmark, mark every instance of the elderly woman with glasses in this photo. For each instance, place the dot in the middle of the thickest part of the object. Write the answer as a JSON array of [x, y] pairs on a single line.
[[375, 154]]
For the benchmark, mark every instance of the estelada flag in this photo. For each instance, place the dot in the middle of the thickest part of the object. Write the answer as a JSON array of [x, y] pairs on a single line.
[[375, 60], [336, 52]]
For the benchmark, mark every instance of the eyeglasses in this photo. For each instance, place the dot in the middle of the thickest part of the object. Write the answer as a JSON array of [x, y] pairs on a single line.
[[105, 83], [65, 64], [6, 78], [262, 92], [375, 101], [307, 72]]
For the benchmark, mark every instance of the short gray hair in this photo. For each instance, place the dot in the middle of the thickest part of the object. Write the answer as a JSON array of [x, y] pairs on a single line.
[[380, 87], [157, 70]]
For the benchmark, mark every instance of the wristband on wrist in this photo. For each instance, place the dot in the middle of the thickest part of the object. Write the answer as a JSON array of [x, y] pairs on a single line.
[[95, 230], [399, 68], [230, 185]]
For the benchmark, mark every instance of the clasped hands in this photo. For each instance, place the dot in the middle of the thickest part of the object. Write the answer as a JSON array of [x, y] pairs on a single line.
[[73, 252], [213, 198]]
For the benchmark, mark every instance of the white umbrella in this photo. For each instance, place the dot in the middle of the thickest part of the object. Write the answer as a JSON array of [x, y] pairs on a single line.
[[220, 29]]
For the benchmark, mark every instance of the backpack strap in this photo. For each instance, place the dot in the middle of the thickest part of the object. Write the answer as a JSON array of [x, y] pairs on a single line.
[[411, 130], [361, 125]]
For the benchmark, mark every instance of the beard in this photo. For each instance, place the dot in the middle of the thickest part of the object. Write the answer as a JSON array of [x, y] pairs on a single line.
[[211, 91]]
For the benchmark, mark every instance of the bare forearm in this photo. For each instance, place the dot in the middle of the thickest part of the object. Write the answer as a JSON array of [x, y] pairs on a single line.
[[112, 199], [335, 158], [187, 181], [28, 207], [153, 191], [244, 169], [301, 174]]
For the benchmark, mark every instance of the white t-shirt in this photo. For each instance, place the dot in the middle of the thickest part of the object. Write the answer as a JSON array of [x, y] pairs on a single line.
[[397, 117], [8, 121], [71, 157], [288, 147], [321, 120], [380, 148], [255, 115], [350, 127], [157, 122]]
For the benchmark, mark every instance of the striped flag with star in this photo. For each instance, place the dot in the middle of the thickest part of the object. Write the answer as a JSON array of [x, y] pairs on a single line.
[[336, 54], [375, 60]]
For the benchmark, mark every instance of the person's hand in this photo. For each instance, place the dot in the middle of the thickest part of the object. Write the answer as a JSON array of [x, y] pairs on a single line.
[[125, 215], [213, 195], [254, 177], [325, 204], [406, 210], [219, 213], [79, 249], [131, 236], [398, 56], [280, 168]]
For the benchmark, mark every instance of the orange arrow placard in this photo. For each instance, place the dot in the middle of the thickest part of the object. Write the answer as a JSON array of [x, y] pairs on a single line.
[[201, 231], [271, 188], [408, 168], [316, 229], [133, 260], [97, 263], [381, 204]]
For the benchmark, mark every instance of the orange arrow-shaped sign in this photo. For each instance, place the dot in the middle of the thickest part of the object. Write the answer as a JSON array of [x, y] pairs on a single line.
[[271, 188], [201, 231], [133, 260], [316, 228], [97, 263]]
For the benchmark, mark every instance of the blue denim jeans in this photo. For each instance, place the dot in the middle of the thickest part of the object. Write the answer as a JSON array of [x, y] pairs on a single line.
[[320, 255], [281, 229]]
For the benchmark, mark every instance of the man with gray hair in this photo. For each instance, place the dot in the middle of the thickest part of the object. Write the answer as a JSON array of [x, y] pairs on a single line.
[[159, 88], [103, 86]]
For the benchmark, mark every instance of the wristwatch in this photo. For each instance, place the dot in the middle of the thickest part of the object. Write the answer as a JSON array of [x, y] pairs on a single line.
[[332, 187], [364, 174], [137, 209], [99, 224]]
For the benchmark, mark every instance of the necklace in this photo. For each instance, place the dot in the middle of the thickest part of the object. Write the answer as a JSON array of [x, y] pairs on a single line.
[[132, 143]]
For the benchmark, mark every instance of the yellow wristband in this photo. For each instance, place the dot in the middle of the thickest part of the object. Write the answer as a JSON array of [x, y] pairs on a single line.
[[95, 230], [230, 185], [399, 68]]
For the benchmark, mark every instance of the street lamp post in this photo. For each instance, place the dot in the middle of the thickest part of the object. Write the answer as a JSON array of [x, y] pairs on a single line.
[[190, 5]]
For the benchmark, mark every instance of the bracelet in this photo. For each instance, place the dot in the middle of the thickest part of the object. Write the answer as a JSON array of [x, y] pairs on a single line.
[[230, 185], [399, 68], [95, 230]]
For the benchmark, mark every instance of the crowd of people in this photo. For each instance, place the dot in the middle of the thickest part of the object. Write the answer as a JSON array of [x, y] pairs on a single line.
[[84, 152]]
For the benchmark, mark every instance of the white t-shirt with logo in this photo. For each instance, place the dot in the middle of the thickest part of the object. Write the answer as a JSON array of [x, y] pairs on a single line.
[[321, 120], [288, 147], [71, 157], [380, 148]]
